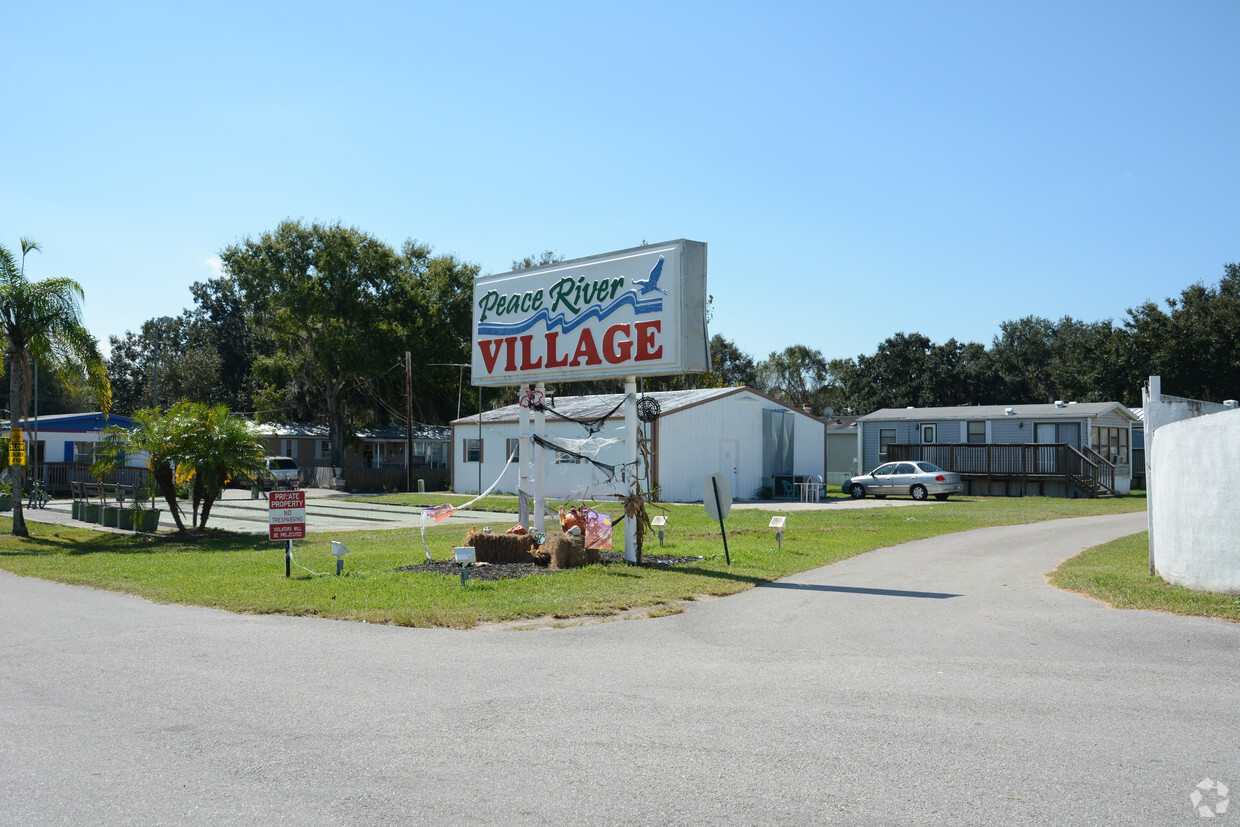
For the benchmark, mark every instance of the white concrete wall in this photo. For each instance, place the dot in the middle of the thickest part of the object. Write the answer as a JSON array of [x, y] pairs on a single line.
[[1195, 519]]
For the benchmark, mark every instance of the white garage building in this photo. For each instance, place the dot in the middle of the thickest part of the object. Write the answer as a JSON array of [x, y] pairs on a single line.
[[752, 439]]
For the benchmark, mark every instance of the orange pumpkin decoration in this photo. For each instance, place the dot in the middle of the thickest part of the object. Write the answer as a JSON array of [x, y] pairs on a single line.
[[570, 519]]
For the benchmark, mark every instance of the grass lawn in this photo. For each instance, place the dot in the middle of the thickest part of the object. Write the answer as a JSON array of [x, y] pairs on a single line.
[[1118, 574], [246, 574]]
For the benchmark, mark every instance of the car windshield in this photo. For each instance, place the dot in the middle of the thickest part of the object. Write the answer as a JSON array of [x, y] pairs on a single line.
[[929, 467], [282, 465]]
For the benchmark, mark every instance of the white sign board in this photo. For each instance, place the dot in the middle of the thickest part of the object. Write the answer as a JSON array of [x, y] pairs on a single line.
[[637, 312], [717, 496], [286, 515]]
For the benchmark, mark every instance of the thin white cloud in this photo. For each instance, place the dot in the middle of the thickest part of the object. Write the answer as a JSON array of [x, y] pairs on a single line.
[[216, 265]]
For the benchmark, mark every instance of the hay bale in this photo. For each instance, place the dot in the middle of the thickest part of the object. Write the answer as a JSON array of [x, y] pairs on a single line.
[[501, 548], [570, 552]]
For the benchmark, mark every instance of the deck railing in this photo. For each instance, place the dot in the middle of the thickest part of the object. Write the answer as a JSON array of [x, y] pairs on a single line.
[[58, 475], [1029, 460], [1105, 469]]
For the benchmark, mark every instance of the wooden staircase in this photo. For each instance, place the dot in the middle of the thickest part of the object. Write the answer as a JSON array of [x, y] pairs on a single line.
[[1092, 474]]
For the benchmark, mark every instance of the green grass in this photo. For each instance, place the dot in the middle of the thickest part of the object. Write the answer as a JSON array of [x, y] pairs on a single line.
[[1118, 574], [246, 574]]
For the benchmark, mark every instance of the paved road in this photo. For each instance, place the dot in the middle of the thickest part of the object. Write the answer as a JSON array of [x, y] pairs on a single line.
[[937, 682]]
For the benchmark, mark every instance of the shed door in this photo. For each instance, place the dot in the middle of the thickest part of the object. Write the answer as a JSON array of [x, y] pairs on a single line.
[[729, 462]]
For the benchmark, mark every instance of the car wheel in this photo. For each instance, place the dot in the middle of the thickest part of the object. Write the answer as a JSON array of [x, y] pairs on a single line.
[[918, 492], [857, 491], [941, 496]]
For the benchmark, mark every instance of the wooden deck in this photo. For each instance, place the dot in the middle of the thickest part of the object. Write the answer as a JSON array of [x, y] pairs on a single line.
[[1022, 465]]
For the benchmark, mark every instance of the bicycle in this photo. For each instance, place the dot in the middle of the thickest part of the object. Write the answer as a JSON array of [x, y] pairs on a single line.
[[38, 496]]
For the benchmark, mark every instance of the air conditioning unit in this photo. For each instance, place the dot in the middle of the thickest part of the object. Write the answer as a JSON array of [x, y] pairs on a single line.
[[1115, 459]]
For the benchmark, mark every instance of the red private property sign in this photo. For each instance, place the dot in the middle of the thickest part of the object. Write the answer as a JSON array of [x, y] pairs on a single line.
[[286, 515]]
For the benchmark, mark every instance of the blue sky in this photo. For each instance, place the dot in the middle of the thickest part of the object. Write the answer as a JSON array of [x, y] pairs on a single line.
[[857, 169]]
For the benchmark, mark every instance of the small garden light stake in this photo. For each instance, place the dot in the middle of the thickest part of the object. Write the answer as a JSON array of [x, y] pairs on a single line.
[[340, 550], [777, 523], [660, 522], [465, 555]]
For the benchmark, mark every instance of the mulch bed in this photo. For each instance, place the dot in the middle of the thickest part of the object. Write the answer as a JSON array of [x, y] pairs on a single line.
[[505, 571]]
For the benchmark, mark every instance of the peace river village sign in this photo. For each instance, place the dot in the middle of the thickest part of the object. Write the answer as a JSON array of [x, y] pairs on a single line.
[[638, 312]]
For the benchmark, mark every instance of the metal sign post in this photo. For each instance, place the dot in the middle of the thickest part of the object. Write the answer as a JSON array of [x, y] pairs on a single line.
[[630, 451], [717, 497], [286, 520]]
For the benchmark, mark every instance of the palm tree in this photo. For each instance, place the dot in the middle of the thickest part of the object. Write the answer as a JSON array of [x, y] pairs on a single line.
[[160, 436], [192, 444], [42, 320], [221, 447]]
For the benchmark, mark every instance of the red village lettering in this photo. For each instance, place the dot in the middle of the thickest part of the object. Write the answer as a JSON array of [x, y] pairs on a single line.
[[621, 343]]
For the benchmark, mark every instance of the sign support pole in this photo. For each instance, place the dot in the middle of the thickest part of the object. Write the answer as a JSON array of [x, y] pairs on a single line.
[[630, 456], [715, 484], [288, 558], [523, 461], [540, 466]]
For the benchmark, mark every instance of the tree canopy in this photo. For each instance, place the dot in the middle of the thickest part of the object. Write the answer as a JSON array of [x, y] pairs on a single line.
[[312, 322]]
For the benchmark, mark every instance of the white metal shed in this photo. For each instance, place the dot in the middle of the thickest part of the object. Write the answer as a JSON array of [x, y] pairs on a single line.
[[747, 436]]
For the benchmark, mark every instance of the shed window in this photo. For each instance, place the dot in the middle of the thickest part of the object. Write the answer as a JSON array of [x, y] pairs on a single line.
[[977, 433], [512, 448], [473, 450]]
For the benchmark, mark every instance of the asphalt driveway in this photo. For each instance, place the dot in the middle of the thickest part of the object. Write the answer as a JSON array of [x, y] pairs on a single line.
[[939, 681]]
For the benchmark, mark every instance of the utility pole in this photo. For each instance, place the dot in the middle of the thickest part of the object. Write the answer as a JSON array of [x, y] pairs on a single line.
[[159, 324], [409, 421]]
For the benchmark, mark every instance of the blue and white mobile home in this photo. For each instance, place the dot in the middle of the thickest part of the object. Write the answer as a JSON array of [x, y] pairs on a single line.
[[1061, 449]]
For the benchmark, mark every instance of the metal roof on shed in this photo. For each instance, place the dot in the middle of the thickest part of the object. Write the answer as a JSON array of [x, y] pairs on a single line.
[[593, 407]]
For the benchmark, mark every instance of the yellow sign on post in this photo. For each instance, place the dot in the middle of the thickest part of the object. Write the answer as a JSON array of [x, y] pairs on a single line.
[[17, 448]]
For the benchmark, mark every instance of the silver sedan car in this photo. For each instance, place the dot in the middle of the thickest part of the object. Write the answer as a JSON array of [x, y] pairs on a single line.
[[917, 479]]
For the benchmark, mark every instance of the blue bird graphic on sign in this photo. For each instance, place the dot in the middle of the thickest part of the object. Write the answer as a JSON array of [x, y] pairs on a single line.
[[651, 284]]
